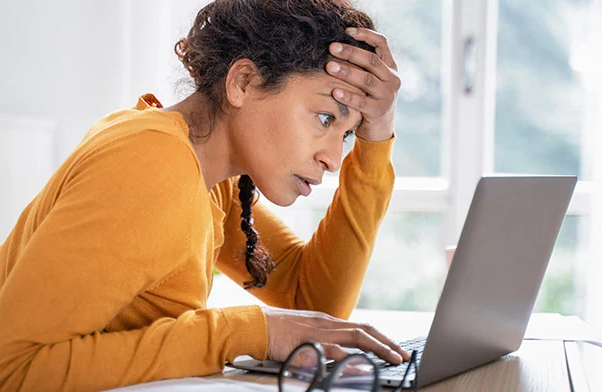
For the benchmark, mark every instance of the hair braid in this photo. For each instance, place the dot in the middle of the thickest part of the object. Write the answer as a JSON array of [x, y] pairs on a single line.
[[257, 260]]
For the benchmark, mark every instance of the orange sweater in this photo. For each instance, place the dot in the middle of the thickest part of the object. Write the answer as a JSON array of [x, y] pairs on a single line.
[[105, 277]]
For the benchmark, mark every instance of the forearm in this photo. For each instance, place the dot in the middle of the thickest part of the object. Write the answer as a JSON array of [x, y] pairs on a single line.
[[334, 262], [326, 273], [196, 343]]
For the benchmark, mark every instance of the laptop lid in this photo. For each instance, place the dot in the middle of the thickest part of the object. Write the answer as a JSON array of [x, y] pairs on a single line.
[[498, 267]]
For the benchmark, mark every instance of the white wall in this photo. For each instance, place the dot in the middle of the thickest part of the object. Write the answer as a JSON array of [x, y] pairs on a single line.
[[60, 60], [26, 161], [70, 62]]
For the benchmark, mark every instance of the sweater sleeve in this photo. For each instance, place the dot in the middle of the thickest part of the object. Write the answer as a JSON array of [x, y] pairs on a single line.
[[327, 272], [120, 225]]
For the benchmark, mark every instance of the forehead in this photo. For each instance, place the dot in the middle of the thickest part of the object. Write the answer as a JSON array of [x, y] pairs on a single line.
[[319, 86], [321, 81]]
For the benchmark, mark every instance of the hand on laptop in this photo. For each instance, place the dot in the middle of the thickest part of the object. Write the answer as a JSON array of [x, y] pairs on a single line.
[[287, 329]]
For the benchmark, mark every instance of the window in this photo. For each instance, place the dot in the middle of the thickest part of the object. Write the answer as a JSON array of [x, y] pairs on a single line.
[[488, 86], [530, 111], [545, 116]]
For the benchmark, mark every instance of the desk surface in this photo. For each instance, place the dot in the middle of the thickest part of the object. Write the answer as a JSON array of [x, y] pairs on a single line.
[[538, 365]]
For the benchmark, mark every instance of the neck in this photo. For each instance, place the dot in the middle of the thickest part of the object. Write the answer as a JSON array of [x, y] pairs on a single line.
[[213, 151]]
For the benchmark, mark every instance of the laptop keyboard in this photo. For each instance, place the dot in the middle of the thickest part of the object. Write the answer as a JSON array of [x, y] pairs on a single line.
[[387, 369]]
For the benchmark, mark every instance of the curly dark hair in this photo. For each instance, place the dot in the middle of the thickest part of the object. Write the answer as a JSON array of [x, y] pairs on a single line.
[[282, 38]]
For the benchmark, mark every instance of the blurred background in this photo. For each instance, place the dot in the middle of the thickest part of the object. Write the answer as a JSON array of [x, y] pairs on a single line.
[[489, 86]]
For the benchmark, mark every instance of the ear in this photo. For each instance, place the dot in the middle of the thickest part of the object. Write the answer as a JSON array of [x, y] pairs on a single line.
[[242, 76]]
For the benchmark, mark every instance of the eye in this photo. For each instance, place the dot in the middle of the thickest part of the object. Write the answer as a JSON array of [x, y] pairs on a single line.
[[346, 135], [326, 119]]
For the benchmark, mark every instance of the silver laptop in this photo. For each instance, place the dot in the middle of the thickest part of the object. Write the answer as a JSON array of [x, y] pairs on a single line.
[[492, 284]]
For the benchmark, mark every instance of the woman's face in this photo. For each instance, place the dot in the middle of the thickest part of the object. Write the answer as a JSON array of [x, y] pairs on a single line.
[[286, 141]]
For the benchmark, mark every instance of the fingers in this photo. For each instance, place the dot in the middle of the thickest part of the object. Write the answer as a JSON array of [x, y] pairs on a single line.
[[357, 337], [376, 40], [384, 339], [372, 332], [375, 76], [356, 101], [370, 82], [324, 321], [366, 81], [334, 351], [363, 58], [287, 329], [369, 107]]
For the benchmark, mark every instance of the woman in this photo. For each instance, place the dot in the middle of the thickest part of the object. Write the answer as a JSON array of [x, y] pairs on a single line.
[[107, 271]]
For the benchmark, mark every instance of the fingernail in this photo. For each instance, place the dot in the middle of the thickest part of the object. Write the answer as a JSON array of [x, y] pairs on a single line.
[[338, 94], [336, 48], [352, 31], [397, 356], [334, 67]]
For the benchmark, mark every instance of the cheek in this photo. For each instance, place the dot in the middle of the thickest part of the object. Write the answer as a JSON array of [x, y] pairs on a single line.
[[287, 142], [277, 145]]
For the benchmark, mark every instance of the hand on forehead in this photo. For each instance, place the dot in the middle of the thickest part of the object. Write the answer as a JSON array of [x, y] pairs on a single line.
[[351, 66]]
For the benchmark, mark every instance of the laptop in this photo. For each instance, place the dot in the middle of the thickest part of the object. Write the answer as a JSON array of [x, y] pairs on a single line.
[[492, 283]]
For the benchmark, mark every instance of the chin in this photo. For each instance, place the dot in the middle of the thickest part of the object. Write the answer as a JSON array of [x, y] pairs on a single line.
[[280, 198]]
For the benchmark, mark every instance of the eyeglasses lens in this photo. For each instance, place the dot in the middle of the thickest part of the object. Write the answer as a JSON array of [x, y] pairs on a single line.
[[301, 371], [355, 373]]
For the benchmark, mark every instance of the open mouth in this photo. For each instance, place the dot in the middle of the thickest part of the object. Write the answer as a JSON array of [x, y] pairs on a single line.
[[303, 185], [308, 181], [304, 180]]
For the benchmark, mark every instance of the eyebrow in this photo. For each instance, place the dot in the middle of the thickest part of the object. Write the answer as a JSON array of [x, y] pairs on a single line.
[[343, 109]]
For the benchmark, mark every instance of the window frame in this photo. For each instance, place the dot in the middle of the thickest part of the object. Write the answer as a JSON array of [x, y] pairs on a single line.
[[468, 123]]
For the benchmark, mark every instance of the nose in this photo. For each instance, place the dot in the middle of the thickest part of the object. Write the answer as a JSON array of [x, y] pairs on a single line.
[[330, 155]]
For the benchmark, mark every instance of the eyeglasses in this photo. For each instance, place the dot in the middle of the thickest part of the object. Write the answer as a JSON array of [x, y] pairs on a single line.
[[305, 370]]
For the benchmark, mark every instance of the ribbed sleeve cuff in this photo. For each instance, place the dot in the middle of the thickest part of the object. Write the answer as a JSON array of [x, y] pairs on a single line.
[[249, 332], [372, 157]]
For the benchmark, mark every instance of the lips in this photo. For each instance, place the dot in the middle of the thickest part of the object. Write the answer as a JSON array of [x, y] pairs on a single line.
[[304, 184], [309, 180]]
